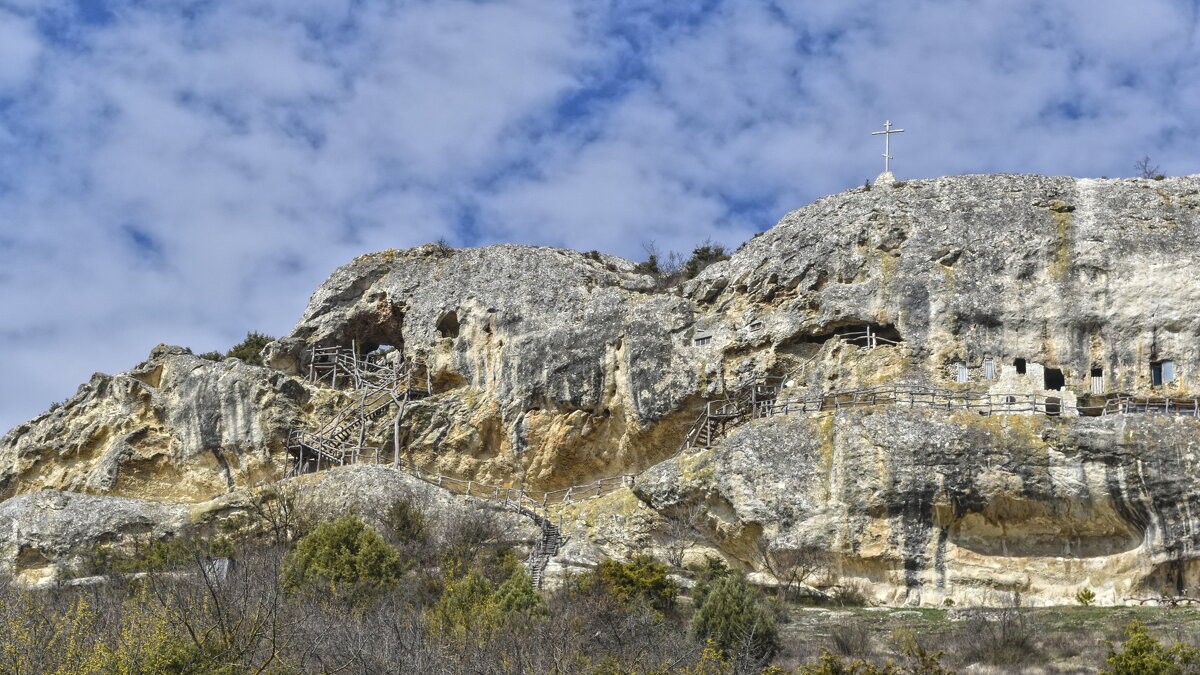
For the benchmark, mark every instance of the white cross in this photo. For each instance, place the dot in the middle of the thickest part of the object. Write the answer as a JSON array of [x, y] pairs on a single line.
[[887, 142]]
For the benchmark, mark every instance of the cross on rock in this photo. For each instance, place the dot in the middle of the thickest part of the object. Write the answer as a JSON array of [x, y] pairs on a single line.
[[887, 143]]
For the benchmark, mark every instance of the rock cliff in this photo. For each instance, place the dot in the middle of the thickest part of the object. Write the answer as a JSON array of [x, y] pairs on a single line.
[[554, 368]]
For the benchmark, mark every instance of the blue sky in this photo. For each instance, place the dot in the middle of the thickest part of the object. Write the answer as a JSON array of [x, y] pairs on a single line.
[[186, 171]]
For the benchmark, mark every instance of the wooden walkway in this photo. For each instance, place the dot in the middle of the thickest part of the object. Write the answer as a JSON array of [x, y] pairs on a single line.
[[383, 385]]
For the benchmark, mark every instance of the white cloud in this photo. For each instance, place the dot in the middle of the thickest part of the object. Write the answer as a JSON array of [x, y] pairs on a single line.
[[19, 50], [187, 177]]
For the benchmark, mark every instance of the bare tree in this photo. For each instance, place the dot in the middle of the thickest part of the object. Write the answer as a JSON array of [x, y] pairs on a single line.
[[1145, 168], [682, 531], [791, 567]]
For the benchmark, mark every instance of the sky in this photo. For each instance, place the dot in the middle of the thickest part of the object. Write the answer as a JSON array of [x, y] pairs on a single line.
[[185, 171]]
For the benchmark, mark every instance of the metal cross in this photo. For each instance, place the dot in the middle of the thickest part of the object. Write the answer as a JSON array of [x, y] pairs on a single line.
[[887, 142]]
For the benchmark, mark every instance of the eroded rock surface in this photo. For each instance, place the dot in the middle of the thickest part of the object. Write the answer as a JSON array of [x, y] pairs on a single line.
[[925, 505], [51, 535], [175, 428], [553, 368]]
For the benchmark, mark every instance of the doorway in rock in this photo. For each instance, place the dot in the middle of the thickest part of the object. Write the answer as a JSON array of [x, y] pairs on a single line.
[[1019, 364], [1053, 379], [1097, 381]]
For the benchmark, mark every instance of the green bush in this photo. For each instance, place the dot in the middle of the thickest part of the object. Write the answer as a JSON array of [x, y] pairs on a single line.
[[1085, 596], [703, 256], [712, 569], [212, 356], [517, 595], [466, 610], [734, 619], [1143, 655], [250, 349], [342, 555], [642, 578], [649, 266], [406, 523]]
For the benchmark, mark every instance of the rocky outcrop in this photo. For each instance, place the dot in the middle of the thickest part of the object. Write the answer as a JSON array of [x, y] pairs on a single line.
[[50, 536], [552, 368], [174, 428], [555, 367], [1078, 274], [925, 505]]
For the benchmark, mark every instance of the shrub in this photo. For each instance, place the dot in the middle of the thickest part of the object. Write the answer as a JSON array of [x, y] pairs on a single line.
[[1143, 655], [851, 594], [1004, 639], [702, 256], [1085, 596], [342, 555], [920, 662], [517, 595], [733, 618], [712, 569], [650, 266], [250, 349], [406, 523], [852, 638], [639, 579], [466, 609], [212, 356]]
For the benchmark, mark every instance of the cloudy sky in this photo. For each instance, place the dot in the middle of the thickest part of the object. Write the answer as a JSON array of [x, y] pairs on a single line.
[[184, 171]]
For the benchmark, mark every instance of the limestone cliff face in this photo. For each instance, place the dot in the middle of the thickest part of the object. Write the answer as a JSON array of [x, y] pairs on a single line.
[[1077, 274], [174, 428], [926, 505], [553, 368]]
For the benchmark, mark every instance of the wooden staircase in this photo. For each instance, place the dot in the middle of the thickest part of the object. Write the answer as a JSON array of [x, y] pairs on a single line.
[[550, 542], [382, 387]]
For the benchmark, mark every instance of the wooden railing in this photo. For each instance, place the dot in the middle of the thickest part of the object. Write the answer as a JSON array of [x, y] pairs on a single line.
[[984, 403], [330, 446]]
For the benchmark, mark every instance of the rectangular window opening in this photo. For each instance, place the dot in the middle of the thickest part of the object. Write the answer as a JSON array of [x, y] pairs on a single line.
[[989, 369], [960, 372], [1161, 372], [703, 340], [1019, 364]]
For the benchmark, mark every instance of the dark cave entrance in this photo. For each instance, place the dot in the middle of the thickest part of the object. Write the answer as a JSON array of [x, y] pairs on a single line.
[[447, 326], [1054, 379]]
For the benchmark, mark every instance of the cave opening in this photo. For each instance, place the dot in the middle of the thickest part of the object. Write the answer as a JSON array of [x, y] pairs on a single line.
[[1097, 381], [1019, 364], [447, 326], [1053, 379]]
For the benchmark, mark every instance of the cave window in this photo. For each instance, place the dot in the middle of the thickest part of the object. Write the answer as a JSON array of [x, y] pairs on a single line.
[[989, 369], [1054, 379], [1162, 372], [960, 372], [1097, 380], [1019, 364], [703, 340], [447, 326]]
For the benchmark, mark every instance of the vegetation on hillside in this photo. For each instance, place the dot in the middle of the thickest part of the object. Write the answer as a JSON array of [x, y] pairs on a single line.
[[444, 593]]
